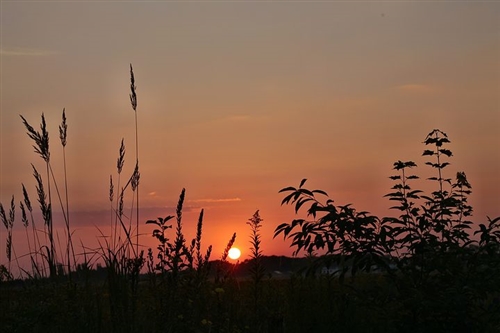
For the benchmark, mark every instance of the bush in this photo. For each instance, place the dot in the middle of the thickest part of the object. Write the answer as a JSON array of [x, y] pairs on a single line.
[[444, 279]]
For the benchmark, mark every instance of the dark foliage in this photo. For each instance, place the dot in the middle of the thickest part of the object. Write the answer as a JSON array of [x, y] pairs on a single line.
[[442, 279]]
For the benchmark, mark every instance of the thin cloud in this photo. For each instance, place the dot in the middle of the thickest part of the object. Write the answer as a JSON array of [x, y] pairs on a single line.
[[416, 88], [217, 200], [101, 218], [26, 52], [238, 118]]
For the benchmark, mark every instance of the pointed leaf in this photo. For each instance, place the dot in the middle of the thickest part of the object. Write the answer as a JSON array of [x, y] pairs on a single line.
[[287, 189]]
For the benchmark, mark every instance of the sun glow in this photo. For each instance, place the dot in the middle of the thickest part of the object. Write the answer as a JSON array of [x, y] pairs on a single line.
[[234, 253]]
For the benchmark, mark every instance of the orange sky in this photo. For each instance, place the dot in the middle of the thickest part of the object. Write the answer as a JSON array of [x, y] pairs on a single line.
[[237, 100]]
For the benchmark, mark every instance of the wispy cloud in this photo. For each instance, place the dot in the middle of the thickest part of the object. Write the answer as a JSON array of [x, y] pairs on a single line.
[[217, 200], [26, 52], [416, 88], [238, 118]]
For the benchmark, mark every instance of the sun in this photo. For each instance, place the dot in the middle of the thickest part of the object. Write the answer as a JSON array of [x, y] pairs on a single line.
[[234, 253]]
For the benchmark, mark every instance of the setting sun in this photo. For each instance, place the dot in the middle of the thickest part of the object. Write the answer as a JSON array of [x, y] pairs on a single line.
[[234, 253]]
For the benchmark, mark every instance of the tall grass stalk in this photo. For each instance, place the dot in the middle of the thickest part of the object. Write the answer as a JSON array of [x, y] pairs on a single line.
[[119, 167], [134, 185], [24, 219], [46, 210], [133, 102], [36, 238], [221, 271], [41, 146], [8, 222], [9, 225], [63, 135]]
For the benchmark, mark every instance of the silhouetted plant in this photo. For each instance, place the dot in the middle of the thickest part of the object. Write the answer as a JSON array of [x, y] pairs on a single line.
[[46, 210], [223, 270], [41, 146], [350, 236], [175, 256], [135, 176], [63, 136], [5, 274], [8, 222], [182, 289], [38, 271], [257, 270], [426, 251], [119, 166]]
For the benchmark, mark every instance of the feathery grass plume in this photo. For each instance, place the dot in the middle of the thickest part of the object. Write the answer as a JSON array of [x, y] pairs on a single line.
[[121, 157], [27, 201], [5, 222], [24, 217], [8, 222], [228, 247], [12, 213], [199, 227], [41, 139], [133, 96], [3, 216], [42, 148], [63, 129], [111, 189], [119, 167], [134, 180], [222, 271], [42, 197], [120, 205]]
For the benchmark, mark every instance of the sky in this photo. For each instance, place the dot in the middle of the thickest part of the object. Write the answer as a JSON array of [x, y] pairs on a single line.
[[238, 99]]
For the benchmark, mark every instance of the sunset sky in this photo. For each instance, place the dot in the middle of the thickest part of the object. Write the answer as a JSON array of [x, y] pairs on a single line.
[[239, 99]]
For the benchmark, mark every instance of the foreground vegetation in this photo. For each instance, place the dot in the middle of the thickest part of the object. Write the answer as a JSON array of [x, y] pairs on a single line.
[[428, 269]]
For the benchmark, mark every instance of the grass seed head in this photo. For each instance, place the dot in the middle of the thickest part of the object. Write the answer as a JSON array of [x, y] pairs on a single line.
[[63, 129], [3, 217], [27, 201], [41, 139], [133, 96]]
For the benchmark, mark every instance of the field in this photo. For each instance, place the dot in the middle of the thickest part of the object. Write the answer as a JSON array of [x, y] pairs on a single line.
[[431, 269], [296, 304]]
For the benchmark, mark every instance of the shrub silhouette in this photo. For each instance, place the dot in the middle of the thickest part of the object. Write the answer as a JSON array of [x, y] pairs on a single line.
[[427, 253]]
